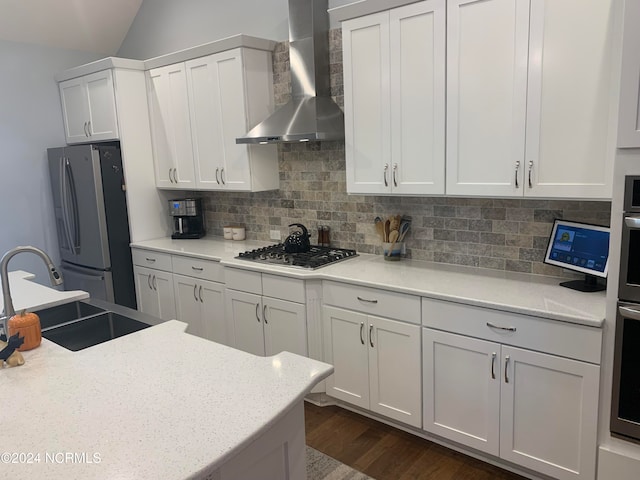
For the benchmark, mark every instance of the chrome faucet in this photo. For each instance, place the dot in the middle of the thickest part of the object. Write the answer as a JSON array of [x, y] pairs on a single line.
[[56, 279]]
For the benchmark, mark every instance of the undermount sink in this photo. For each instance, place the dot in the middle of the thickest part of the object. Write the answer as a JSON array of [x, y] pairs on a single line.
[[79, 325]]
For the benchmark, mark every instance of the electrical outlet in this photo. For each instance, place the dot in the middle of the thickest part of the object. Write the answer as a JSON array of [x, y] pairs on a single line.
[[275, 235]]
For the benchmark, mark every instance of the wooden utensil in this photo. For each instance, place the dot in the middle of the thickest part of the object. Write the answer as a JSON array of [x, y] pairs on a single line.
[[379, 227], [387, 230]]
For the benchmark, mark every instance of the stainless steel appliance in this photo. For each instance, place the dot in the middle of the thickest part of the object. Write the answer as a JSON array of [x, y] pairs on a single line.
[[315, 257], [188, 221], [625, 398], [91, 217]]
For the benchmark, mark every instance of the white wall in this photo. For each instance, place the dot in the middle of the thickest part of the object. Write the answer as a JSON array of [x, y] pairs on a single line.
[[164, 26], [30, 122]]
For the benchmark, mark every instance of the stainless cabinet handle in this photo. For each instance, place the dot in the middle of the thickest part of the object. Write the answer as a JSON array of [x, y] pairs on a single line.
[[395, 170], [175, 175], [89, 128], [367, 300], [195, 289], [264, 315], [152, 260], [86, 134], [362, 333], [530, 168], [386, 168], [222, 176], [493, 362], [628, 312], [170, 179], [506, 364], [200, 294], [258, 312], [371, 335], [149, 282], [217, 180], [632, 222], [517, 168], [197, 269], [155, 284], [508, 329]]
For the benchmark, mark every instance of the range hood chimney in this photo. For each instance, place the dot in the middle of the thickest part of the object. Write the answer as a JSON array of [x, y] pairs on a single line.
[[310, 115]]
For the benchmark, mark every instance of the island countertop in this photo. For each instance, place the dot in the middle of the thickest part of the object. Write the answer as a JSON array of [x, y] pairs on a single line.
[[158, 403], [526, 294]]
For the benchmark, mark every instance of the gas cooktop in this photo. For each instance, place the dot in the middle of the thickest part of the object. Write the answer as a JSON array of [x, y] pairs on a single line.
[[316, 257]]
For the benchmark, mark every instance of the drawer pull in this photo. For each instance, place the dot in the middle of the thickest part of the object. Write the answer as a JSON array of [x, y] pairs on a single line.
[[508, 329], [506, 364], [367, 300], [371, 335], [493, 363], [197, 269], [152, 260], [361, 333]]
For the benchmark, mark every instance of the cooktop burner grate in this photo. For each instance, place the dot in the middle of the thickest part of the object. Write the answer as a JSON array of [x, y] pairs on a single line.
[[316, 257]]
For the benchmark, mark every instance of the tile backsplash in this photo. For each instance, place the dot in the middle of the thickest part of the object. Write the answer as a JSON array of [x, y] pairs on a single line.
[[502, 234]]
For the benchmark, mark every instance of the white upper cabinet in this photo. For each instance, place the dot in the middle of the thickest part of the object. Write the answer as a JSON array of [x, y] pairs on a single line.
[[394, 80], [89, 108], [487, 42], [629, 117], [198, 108], [570, 113], [219, 89], [170, 127]]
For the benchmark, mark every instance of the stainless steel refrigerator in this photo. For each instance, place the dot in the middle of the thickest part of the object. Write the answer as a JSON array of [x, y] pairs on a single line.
[[91, 218]]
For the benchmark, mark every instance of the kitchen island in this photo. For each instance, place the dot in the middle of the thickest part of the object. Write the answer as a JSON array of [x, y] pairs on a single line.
[[158, 403]]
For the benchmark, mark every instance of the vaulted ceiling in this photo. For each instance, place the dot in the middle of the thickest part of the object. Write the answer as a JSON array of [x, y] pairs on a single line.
[[97, 26]]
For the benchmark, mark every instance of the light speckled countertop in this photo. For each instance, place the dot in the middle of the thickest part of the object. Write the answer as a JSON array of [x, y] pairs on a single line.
[[155, 404], [513, 292]]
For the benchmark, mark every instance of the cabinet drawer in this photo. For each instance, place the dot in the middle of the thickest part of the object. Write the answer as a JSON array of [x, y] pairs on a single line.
[[399, 306], [196, 267], [535, 333], [243, 280], [285, 288], [151, 259]]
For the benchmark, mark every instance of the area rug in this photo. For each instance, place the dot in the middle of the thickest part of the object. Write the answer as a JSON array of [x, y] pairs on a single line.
[[323, 467]]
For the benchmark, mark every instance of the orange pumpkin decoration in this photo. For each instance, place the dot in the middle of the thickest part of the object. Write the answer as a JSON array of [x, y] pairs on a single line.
[[27, 324]]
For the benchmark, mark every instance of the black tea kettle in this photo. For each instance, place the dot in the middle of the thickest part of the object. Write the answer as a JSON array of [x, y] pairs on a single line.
[[298, 241]]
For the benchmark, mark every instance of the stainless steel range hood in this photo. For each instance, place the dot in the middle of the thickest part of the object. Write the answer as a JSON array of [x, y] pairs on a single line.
[[310, 114]]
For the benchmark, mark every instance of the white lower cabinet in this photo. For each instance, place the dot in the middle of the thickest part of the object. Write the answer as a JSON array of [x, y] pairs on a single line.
[[536, 410], [261, 324], [154, 292], [376, 362], [200, 304]]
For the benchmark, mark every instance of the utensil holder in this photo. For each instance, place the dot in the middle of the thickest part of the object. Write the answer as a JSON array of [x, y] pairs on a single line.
[[393, 252]]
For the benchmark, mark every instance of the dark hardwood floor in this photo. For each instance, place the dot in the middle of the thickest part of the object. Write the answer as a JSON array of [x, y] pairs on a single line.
[[386, 453]]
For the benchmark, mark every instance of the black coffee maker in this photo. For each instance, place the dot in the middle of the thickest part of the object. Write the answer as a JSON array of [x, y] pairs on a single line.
[[188, 221]]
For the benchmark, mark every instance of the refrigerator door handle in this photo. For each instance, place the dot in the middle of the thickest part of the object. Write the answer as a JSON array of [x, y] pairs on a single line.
[[68, 173], [65, 207]]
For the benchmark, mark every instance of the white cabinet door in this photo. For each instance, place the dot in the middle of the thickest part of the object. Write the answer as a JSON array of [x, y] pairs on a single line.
[[629, 113], [346, 347], [285, 326], [211, 296], [570, 122], [417, 68], [171, 127], [367, 116], [101, 103], [462, 389], [188, 305], [549, 409], [74, 107], [204, 108], [487, 53], [154, 292], [244, 311], [394, 370]]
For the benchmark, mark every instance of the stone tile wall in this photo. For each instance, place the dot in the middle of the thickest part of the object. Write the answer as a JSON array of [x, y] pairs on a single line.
[[502, 234]]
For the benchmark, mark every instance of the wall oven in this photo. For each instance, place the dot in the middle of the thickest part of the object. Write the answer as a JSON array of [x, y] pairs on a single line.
[[625, 399]]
